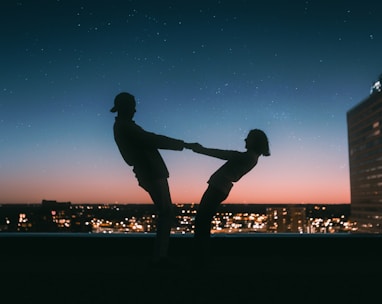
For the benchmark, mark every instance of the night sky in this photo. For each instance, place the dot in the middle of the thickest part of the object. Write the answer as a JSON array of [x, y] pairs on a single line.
[[201, 71]]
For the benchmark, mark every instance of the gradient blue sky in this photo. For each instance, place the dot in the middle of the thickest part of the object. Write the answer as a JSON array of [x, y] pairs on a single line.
[[201, 71]]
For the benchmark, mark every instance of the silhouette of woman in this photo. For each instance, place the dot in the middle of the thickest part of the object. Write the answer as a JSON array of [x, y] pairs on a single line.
[[221, 182]]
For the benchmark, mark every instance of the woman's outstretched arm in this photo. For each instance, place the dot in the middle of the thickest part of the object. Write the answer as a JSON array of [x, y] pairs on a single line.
[[218, 153]]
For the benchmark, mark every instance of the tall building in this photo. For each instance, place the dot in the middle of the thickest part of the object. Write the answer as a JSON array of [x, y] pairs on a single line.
[[286, 219], [364, 122]]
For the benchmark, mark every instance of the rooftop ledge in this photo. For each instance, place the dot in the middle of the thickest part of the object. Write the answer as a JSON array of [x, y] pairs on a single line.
[[241, 244], [108, 268], [189, 235]]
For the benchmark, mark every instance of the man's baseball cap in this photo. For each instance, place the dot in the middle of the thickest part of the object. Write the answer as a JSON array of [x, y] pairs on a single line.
[[122, 101]]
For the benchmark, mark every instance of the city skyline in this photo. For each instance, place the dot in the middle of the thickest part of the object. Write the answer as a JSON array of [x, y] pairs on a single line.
[[52, 216], [204, 71]]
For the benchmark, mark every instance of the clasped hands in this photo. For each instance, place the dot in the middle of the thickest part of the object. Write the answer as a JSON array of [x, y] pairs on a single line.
[[195, 147]]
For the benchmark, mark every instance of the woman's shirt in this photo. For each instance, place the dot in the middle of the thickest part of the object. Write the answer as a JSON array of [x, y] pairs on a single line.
[[237, 165]]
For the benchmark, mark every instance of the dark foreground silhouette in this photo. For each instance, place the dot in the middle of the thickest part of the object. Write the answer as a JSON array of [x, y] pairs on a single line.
[[262, 268]]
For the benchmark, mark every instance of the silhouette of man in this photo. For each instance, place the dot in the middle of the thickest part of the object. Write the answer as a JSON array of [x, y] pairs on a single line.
[[139, 149]]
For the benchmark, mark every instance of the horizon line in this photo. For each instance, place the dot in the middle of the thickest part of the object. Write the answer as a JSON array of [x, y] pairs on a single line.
[[184, 203]]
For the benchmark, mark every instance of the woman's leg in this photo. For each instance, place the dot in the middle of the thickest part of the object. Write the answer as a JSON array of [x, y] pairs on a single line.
[[209, 203], [208, 206]]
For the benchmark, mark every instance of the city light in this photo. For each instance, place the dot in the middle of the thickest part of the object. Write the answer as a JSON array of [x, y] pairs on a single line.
[[103, 218]]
